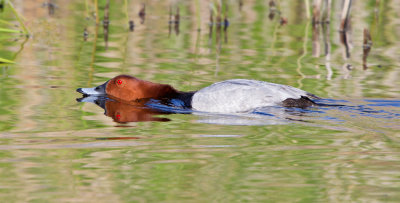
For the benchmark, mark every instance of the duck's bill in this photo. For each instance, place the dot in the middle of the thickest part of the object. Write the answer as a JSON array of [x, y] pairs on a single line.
[[89, 91], [95, 91]]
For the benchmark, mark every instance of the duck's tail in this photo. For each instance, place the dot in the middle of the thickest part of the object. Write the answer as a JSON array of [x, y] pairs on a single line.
[[312, 96], [306, 101]]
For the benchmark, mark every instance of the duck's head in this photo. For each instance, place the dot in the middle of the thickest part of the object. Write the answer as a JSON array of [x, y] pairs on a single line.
[[128, 88]]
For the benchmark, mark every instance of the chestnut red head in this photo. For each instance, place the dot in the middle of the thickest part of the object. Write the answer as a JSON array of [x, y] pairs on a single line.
[[128, 88]]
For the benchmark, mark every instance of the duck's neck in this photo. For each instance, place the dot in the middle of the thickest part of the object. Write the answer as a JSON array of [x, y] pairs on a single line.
[[158, 91], [167, 92]]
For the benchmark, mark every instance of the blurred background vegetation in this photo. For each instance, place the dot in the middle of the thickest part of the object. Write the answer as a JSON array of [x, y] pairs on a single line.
[[53, 148]]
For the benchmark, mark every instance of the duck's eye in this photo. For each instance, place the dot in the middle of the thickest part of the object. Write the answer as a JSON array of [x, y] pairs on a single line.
[[119, 82], [118, 116]]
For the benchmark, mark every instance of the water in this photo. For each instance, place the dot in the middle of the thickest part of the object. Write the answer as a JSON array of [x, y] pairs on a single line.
[[53, 148]]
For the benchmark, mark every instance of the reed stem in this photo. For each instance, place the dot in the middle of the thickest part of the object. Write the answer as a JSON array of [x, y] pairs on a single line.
[[126, 11], [19, 18], [96, 5], [307, 8], [198, 14], [9, 30], [5, 22], [3, 60]]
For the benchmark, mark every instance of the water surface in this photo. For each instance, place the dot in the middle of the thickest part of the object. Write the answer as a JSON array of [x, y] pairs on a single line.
[[53, 148]]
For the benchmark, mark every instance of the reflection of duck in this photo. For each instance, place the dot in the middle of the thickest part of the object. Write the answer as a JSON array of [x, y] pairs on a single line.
[[237, 95], [122, 112]]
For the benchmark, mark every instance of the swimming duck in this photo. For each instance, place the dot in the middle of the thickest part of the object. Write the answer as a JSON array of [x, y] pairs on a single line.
[[229, 96]]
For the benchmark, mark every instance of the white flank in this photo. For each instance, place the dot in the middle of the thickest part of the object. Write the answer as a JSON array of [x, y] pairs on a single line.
[[241, 95]]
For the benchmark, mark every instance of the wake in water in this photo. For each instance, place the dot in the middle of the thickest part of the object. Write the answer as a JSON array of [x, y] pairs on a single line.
[[327, 110], [330, 110]]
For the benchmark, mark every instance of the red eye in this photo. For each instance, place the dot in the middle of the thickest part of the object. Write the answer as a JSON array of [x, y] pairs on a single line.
[[118, 116], [119, 82]]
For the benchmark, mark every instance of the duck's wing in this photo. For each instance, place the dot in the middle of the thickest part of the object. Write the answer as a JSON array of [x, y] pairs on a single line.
[[239, 95]]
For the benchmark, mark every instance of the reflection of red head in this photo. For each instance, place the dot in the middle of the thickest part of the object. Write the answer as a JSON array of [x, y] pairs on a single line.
[[133, 112]]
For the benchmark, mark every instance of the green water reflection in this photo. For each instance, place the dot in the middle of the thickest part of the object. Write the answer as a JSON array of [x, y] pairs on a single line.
[[53, 148]]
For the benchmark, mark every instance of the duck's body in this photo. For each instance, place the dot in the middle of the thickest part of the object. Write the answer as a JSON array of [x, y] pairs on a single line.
[[237, 95], [240, 95]]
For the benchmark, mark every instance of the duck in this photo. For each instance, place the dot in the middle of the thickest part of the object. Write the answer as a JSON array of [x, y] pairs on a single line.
[[229, 96]]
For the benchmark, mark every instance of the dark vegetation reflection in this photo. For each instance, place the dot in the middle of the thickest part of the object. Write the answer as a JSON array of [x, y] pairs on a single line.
[[174, 20]]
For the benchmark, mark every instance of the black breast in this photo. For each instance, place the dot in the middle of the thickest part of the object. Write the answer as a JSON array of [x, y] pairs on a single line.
[[186, 97]]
